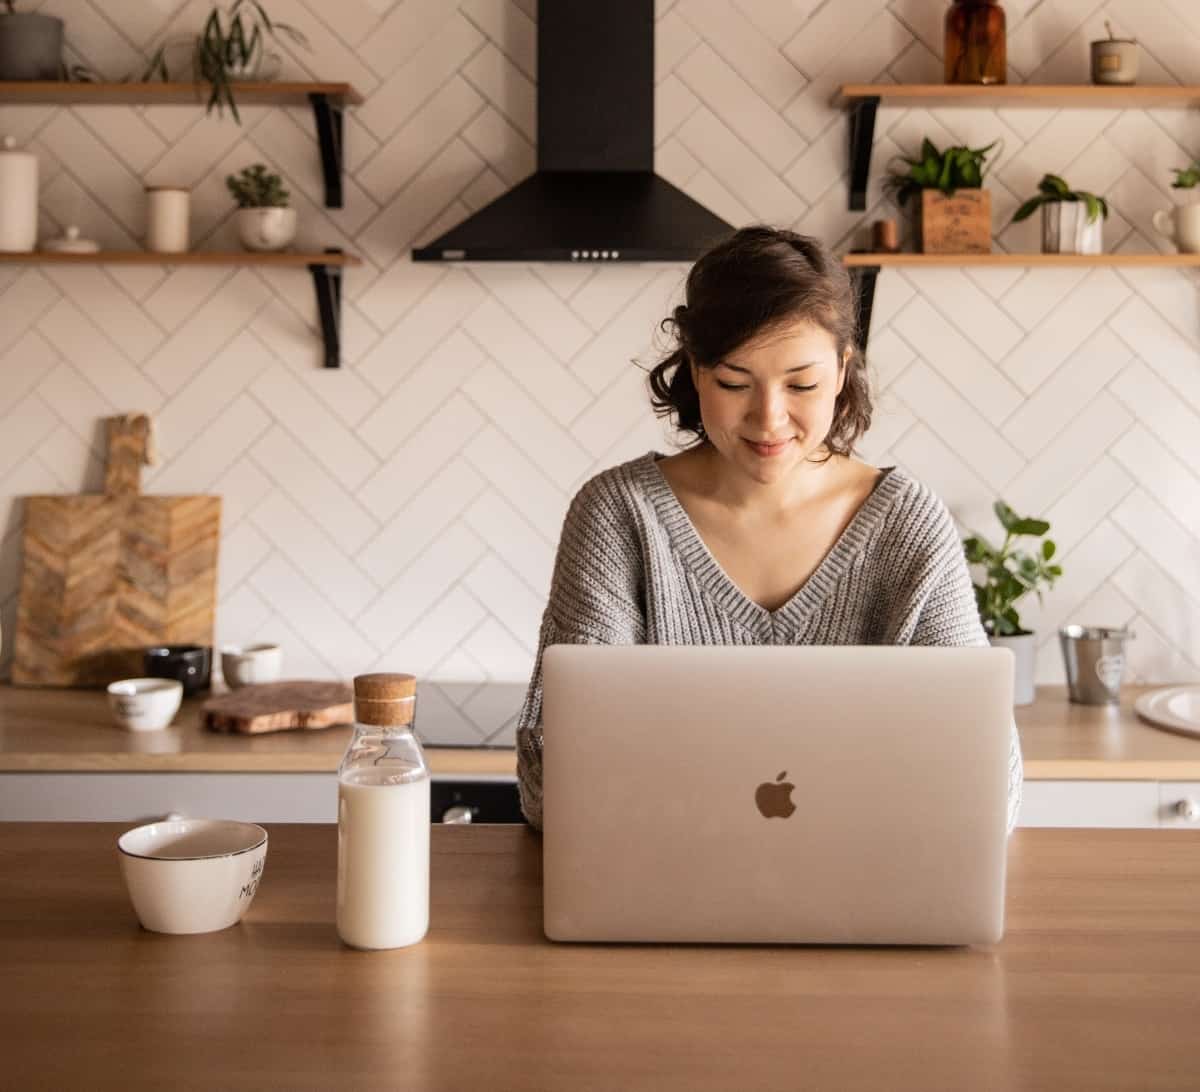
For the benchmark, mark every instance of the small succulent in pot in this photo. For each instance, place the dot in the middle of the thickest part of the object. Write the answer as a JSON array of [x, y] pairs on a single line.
[[1181, 224], [1072, 220], [265, 222]]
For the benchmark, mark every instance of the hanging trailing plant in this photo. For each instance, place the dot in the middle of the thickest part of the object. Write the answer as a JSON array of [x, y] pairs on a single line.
[[230, 45]]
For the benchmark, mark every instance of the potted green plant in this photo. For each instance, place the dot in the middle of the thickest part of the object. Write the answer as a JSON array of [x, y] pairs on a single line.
[[264, 220], [231, 47], [30, 44], [1072, 220], [955, 211], [1009, 574], [1182, 224]]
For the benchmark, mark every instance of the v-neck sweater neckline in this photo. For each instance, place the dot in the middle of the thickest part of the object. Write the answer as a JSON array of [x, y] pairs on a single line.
[[694, 552]]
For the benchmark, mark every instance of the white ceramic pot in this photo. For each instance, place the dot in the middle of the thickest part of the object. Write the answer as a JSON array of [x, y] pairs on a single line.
[[144, 705], [1067, 230], [266, 229], [18, 198], [1182, 226], [251, 665], [192, 875], [1024, 649]]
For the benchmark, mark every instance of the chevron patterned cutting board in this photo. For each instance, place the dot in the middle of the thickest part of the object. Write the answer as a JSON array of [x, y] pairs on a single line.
[[106, 575]]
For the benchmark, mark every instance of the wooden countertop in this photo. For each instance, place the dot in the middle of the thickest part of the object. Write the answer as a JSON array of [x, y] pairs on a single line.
[[1096, 984], [69, 730], [45, 730]]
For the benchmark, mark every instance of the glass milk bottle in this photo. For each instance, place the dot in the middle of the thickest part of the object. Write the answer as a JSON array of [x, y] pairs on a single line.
[[383, 819]]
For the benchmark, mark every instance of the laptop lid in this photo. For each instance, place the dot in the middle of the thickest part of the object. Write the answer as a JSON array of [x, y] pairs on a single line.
[[775, 794]]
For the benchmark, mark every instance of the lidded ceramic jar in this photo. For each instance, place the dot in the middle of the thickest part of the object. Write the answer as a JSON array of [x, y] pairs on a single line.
[[18, 198]]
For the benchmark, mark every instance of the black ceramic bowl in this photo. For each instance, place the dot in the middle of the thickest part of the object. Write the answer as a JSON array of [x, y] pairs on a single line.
[[190, 664]]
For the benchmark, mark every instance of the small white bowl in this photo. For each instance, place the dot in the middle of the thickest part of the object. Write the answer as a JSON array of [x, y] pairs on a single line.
[[144, 705], [192, 875], [250, 665]]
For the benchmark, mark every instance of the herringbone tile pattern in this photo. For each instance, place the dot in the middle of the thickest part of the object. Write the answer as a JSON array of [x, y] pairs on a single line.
[[402, 513]]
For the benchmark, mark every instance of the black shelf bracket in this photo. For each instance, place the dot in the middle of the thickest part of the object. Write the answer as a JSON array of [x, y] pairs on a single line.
[[328, 116], [864, 300], [327, 279], [862, 138]]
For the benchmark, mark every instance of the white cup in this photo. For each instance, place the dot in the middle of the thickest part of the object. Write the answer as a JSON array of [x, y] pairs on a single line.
[[192, 875], [144, 705], [1182, 226], [250, 665], [167, 219]]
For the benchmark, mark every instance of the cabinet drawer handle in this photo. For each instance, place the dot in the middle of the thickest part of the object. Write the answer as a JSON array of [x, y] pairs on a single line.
[[1188, 809]]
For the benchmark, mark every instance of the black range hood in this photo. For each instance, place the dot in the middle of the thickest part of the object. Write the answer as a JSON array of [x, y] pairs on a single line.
[[595, 196]]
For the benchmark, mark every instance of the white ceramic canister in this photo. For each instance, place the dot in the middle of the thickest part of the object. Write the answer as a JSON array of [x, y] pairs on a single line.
[[167, 219], [18, 198]]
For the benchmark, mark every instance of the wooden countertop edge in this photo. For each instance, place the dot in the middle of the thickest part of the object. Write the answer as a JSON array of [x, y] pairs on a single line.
[[503, 763], [442, 761]]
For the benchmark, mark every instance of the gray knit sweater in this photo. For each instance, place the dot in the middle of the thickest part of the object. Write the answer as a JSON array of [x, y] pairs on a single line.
[[632, 569]]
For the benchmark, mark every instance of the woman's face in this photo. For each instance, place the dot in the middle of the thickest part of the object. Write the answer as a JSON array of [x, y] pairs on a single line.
[[769, 405]]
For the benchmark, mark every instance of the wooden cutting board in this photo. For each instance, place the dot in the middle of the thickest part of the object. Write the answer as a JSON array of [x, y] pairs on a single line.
[[106, 575], [273, 707]]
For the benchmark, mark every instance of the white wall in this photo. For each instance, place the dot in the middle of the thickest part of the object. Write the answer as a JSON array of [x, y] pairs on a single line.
[[402, 512]]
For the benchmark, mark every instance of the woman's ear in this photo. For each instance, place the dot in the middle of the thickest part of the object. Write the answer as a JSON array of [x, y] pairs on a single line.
[[844, 368]]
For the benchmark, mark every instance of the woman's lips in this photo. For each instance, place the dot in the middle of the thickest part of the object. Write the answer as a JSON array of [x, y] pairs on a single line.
[[767, 450]]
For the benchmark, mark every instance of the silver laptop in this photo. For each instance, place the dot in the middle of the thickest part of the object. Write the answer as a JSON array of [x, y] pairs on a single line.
[[783, 795]]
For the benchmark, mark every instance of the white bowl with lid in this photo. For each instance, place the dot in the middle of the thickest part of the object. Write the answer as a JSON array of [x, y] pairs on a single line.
[[192, 875]]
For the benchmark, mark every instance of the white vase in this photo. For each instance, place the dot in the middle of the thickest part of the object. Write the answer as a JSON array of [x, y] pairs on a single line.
[[1024, 649], [167, 219], [18, 198], [266, 229], [1067, 230]]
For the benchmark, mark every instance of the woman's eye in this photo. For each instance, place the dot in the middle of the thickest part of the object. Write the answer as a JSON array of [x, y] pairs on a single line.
[[729, 386], [813, 387]]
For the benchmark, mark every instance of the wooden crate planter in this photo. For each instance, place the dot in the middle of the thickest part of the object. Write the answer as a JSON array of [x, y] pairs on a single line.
[[959, 223]]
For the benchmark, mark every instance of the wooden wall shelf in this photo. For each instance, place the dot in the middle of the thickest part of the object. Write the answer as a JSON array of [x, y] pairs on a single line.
[[1003, 96], [327, 100], [325, 267], [866, 268], [284, 259], [859, 260], [157, 93]]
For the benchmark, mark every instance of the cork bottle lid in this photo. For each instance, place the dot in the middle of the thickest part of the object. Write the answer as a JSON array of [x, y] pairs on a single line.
[[384, 687], [387, 701]]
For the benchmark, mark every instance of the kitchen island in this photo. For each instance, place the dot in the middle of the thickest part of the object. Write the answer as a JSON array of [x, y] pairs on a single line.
[[1096, 984]]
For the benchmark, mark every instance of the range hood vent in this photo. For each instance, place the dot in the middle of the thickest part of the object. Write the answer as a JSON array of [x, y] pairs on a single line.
[[594, 196]]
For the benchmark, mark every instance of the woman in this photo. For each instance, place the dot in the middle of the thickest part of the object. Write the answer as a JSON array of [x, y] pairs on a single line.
[[766, 530]]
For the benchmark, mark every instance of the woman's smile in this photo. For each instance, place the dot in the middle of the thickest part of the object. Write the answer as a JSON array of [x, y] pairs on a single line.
[[768, 449]]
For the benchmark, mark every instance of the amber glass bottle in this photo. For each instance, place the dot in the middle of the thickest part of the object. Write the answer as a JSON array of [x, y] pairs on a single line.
[[976, 42]]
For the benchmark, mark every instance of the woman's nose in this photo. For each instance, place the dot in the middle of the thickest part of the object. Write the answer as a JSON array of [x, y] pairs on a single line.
[[770, 410]]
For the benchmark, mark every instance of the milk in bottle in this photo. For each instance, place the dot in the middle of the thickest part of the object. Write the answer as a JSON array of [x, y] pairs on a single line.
[[383, 820]]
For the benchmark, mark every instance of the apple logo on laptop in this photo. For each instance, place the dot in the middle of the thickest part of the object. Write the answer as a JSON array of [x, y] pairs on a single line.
[[774, 798]]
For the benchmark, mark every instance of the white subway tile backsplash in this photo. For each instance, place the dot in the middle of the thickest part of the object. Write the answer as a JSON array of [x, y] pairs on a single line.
[[402, 513]]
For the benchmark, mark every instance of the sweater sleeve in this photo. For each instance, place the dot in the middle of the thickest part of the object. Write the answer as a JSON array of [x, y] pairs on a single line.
[[943, 612], [596, 596]]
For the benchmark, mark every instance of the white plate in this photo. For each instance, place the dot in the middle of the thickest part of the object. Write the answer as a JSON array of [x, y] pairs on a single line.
[[1177, 708]]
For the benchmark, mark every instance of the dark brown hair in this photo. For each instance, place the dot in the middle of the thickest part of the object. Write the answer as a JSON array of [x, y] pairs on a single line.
[[754, 281]]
